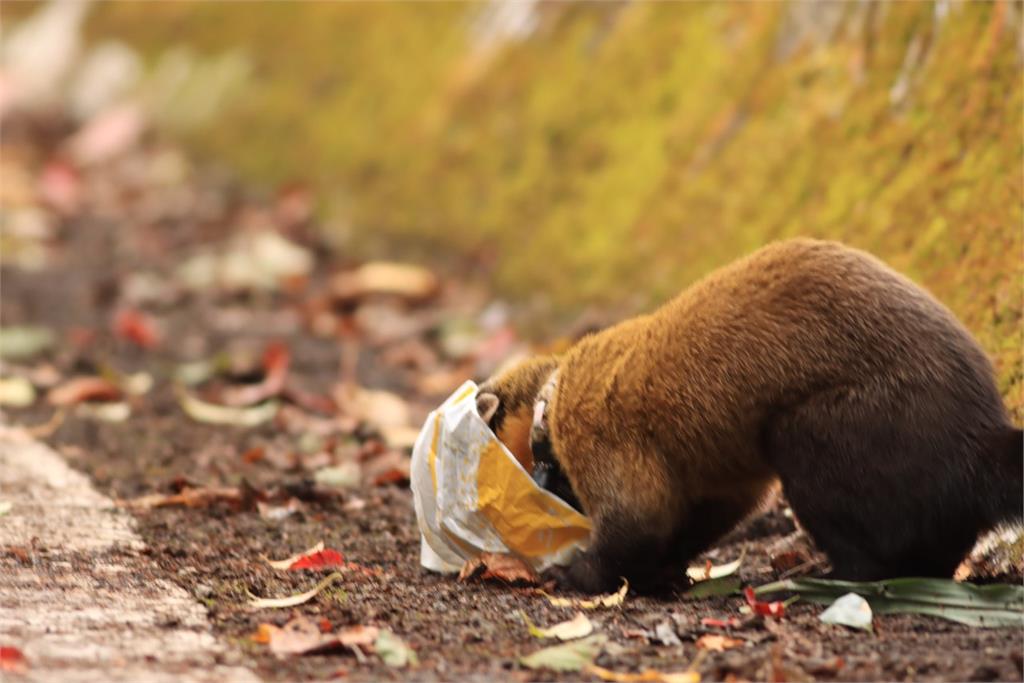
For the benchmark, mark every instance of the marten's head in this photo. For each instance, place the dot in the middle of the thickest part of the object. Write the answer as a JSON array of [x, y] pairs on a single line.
[[514, 403], [506, 400]]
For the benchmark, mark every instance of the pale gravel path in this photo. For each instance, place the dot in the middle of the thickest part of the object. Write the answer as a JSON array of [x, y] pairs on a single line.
[[87, 607]]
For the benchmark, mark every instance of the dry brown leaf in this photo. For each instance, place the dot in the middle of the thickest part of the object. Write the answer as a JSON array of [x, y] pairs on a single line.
[[276, 361], [645, 676], [717, 643], [401, 438], [577, 627], [296, 599], [302, 636], [611, 600], [382, 409], [189, 497], [507, 568], [405, 281], [358, 635], [390, 467], [81, 389]]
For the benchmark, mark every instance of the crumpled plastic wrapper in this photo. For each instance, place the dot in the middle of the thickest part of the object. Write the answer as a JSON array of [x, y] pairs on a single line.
[[472, 496]]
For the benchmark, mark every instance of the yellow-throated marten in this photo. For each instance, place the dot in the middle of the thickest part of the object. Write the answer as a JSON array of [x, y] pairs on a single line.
[[806, 362]]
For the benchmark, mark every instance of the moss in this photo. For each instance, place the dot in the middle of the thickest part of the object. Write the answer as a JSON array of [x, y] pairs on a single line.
[[622, 151]]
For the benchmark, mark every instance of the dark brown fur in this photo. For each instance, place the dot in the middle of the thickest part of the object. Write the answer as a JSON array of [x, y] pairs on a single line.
[[807, 362]]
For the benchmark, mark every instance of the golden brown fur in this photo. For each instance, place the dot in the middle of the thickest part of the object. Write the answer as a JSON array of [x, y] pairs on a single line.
[[808, 361]]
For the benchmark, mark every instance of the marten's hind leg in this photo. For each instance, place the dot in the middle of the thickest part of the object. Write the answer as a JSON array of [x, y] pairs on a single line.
[[878, 479]]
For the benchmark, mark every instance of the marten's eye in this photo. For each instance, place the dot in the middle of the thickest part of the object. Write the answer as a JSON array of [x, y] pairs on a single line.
[[487, 405]]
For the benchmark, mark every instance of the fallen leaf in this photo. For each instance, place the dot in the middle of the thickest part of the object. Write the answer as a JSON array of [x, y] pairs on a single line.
[[381, 409], [731, 622], [81, 389], [612, 600], [997, 553], [189, 497], [327, 558], [769, 609], [46, 429], [298, 636], [401, 437], [347, 475], [197, 372], [788, 560], [717, 643], [390, 467], [254, 454], [263, 634], [118, 411], [253, 259], [137, 384], [292, 600], [289, 561], [276, 513], [317, 403], [301, 636], [213, 413], [393, 651], [358, 635], [645, 676], [500, 566], [136, 327], [276, 361], [12, 659], [17, 392], [711, 572], [405, 281], [577, 627], [850, 610], [572, 656]]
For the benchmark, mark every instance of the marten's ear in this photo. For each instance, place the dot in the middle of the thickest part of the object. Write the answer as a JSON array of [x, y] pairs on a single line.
[[487, 406]]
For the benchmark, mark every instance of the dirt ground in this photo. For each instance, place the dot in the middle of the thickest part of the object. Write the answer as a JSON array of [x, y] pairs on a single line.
[[129, 220]]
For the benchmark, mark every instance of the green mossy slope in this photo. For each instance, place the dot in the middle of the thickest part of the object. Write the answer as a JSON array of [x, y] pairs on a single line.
[[623, 150]]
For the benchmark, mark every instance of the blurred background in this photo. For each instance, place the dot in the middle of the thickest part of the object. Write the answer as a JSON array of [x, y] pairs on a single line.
[[580, 159]]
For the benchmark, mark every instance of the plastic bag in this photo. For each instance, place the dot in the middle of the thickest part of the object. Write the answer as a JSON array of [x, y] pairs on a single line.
[[472, 496]]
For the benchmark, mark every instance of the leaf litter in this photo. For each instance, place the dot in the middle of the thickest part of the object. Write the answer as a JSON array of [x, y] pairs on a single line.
[[577, 627], [610, 600], [256, 602]]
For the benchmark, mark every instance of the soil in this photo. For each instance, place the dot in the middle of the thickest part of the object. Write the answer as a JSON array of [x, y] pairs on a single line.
[[460, 630]]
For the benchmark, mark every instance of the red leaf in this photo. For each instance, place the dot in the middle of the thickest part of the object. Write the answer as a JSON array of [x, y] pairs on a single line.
[[322, 559], [392, 476], [276, 360], [769, 609], [137, 327], [12, 659], [254, 454]]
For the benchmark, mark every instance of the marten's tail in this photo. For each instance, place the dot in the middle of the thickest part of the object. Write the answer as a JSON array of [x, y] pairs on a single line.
[[1010, 450]]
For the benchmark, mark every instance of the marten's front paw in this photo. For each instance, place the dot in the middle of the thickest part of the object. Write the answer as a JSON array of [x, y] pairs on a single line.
[[583, 575], [555, 578]]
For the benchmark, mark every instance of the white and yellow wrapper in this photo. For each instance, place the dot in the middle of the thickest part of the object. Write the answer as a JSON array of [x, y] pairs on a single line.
[[472, 496]]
